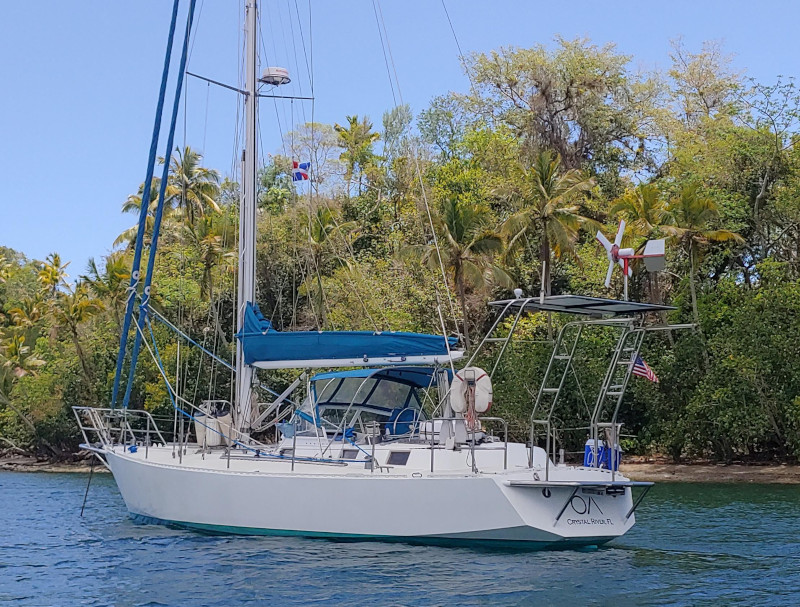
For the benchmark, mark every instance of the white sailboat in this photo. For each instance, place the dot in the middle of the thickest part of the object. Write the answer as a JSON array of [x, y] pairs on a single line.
[[398, 446]]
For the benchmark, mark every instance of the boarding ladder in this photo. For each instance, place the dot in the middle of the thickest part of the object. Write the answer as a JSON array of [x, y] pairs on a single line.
[[612, 391], [553, 382]]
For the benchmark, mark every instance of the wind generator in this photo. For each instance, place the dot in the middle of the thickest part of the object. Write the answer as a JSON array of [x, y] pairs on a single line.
[[653, 256]]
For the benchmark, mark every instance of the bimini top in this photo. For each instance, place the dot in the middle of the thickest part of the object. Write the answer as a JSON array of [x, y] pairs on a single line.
[[580, 304], [419, 377], [267, 348]]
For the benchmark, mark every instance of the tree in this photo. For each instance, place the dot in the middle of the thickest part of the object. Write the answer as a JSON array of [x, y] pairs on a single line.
[[275, 184], [133, 204], [321, 227], [28, 313], [578, 100], [319, 144], [192, 187], [16, 361], [688, 218], [547, 196], [70, 311], [444, 124], [644, 212], [53, 275], [356, 140], [703, 82], [111, 283], [642, 208], [467, 246]]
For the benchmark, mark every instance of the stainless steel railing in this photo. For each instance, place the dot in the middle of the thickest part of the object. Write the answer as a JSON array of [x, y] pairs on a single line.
[[109, 427], [471, 433]]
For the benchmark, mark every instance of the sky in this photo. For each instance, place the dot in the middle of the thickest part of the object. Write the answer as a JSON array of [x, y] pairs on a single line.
[[79, 82]]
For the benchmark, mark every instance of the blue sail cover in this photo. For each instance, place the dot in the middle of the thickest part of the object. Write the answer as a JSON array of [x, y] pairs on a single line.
[[261, 343]]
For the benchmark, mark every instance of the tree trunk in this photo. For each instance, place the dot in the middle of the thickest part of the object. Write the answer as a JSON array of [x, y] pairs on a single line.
[[217, 326], [30, 425], [82, 358], [544, 257], [692, 292], [462, 298], [695, 313]]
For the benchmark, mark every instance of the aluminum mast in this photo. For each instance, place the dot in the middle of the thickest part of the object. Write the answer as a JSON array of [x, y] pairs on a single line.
[[247, 220]]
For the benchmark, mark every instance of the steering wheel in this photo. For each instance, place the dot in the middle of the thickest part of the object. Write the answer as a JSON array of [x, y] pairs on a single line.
[[398, 420]]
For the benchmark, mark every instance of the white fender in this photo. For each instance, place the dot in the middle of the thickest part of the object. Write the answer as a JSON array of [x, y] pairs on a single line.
[[461, 385]]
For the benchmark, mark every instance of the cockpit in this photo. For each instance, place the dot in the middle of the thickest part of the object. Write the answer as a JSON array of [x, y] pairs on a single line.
[[386, 402]]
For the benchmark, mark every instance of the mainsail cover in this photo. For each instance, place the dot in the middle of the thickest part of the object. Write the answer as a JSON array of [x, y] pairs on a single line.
[[264, 346]]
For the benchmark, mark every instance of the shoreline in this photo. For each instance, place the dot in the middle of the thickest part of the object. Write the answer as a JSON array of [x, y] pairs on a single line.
[[785, 474], [772, 474], [22, 463]]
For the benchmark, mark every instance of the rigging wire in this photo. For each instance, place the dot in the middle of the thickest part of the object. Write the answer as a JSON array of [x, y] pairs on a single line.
[[458, 45], [383, 47], [418, 171]]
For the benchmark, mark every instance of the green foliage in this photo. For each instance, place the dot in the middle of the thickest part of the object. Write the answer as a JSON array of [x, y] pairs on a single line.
[[549, 144]]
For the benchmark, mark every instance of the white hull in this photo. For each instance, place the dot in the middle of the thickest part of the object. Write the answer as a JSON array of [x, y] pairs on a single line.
[[573, 508]]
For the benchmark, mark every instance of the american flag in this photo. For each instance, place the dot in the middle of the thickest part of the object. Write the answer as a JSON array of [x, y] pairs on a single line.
[[642, 369]]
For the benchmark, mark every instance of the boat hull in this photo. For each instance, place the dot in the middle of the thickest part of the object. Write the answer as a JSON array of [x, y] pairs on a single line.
[[483, 509]]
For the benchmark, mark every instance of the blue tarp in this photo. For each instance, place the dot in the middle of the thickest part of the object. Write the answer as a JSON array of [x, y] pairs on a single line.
[[262, 343]]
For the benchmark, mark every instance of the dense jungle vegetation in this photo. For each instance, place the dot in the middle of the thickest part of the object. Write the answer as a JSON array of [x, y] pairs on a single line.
[[548, 145]]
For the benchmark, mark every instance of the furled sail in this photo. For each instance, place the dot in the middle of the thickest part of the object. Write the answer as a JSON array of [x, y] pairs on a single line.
[[267, 348]]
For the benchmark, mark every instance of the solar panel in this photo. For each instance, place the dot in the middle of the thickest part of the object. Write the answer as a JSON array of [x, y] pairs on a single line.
[[580, 304]]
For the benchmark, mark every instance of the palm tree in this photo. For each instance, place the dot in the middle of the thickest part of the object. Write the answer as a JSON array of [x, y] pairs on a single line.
[[688, 217], [356, 140], [133, 204], [642, 208], [467, 247], [72, 309], [322, 226], [16, 361], [53, 275], [28, 313], [645, 212], [192, 187], [212, 242], [547, 196], [110, 283], [5, 269]]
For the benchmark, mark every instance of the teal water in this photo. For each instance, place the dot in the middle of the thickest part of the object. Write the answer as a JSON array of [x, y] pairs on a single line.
[[692, 545]]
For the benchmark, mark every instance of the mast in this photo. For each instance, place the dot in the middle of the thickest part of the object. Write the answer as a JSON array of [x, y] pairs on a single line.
[[247, 220]]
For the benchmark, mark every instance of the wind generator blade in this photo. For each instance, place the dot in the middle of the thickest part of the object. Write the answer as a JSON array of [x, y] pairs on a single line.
[[604, 241], [620, 232], [608, 274]]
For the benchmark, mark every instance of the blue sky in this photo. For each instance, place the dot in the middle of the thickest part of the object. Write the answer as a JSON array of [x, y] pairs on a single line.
[[80, 79]]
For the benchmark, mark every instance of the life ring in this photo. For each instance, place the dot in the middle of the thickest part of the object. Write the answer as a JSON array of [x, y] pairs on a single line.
[[471, 384]]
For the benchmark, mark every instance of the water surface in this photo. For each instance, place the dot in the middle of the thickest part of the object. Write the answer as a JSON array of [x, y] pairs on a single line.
[[692, 545]]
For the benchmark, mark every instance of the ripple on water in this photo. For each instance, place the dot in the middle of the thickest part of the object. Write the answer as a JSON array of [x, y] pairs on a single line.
[[692, 545]]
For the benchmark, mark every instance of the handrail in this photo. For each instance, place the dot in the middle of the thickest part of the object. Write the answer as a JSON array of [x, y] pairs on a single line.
[[101, 422], [432, 421]]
